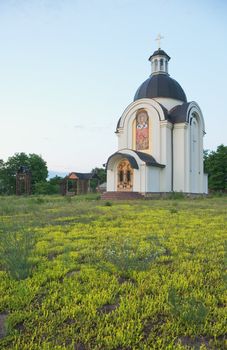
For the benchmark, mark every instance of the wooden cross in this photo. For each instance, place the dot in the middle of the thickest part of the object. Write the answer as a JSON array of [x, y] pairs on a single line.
[[158, 39]]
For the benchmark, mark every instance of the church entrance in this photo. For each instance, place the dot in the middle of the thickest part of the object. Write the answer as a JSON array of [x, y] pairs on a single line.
[[124, 176]]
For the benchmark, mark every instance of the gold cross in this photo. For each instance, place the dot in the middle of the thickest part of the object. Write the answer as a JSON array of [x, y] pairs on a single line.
[[158, 39]]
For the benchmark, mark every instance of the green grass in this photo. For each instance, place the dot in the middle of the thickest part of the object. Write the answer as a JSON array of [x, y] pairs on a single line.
[[81, 274]]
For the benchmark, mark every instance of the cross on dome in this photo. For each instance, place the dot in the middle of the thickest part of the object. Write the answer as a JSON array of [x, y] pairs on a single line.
[[158, 39]]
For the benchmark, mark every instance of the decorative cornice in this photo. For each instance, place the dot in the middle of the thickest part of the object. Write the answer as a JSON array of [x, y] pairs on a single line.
[[181, 126], [166, 123]]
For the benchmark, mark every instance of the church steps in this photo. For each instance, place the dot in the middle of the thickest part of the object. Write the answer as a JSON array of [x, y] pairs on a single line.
[[121, 195]]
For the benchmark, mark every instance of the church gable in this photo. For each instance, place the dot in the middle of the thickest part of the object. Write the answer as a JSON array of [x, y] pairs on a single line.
[[139, 127]]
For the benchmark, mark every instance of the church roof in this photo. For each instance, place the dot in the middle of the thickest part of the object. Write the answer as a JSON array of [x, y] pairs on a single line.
[[178, 114], [130, 158], [80, 176], [147, 158], [159, 52], [160, 85]]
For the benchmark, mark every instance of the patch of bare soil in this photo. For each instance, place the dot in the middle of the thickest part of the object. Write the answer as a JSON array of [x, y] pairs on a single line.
[[72, 273], [3, 317], [69, 321], [79, 346], [52, 255], [165, 262], [68, 275], [195, 342], [107, 308], [20, 326], [153, 325], [123, 279]]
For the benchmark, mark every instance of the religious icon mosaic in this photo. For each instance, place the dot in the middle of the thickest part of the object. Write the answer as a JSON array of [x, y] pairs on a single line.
[[142, 131]]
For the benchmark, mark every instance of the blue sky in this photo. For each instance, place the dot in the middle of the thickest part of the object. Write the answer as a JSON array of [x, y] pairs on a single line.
[[69, 68]]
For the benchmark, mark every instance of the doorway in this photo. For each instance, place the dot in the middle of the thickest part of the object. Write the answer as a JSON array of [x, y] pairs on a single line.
[[124, 176]]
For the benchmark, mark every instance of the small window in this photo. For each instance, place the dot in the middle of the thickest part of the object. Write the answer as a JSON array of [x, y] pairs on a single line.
[[156, 65], [161, 64]]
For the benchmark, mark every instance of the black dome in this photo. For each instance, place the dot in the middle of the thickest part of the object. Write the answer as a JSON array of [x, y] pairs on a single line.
[[159, 52], [160, 85]]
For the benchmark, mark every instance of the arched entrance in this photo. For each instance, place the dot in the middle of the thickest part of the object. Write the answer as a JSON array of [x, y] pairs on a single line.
[[124, 176]]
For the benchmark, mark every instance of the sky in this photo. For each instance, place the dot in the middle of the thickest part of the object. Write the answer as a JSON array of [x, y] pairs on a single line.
[[69, 68]]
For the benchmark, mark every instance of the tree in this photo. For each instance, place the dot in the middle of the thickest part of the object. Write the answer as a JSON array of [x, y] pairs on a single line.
[[8, 171], [52, 186], [215, 164], [2, 177], [99, 176]]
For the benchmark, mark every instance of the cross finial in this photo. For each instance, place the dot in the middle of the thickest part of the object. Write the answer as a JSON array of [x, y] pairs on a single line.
[[158, 39]]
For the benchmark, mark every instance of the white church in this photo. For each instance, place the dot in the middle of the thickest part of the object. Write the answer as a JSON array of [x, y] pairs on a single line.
[[160, 139]]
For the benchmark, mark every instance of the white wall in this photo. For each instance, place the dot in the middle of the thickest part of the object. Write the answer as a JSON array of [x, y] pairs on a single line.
[[196, 133], [194, 156], [188, 152], [179, 154], [112, 173], [153, 179], [110, 181], [166, 156], [205, 183]]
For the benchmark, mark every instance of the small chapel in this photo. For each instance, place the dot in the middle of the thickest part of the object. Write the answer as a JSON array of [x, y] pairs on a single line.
[[160, 139]]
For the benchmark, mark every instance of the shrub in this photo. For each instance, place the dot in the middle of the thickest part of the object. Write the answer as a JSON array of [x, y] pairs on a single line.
[[108, 204], [16, 248], [176, 195]]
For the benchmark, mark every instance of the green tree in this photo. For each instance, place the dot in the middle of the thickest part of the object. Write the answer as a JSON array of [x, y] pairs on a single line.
[[8, 171], [99, 176], [38, 168], [2, 177], [52, 186], [215, 164]]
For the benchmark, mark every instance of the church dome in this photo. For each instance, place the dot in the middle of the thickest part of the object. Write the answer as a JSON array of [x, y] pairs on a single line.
[[160, 85]]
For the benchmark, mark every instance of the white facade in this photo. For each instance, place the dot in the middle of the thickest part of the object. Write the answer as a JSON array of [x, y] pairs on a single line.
[[173, 156]]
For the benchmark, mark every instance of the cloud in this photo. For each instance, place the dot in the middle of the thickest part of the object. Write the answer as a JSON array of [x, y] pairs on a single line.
[[45, 138], [78, 126]]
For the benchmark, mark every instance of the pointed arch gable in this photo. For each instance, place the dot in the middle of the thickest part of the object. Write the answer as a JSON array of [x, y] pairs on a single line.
[[183, 113], [194, 109], [119, 156], [144, 103], [135, 158]]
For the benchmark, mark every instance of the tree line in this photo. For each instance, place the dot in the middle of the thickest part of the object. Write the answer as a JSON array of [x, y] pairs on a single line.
[[40, 184], [215, 165]]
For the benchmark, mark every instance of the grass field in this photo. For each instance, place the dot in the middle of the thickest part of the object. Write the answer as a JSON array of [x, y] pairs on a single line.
[[79, 274]]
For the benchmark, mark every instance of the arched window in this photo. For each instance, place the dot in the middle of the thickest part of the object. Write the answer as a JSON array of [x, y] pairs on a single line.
[[156, 65], [161, 64], [194, 154]]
